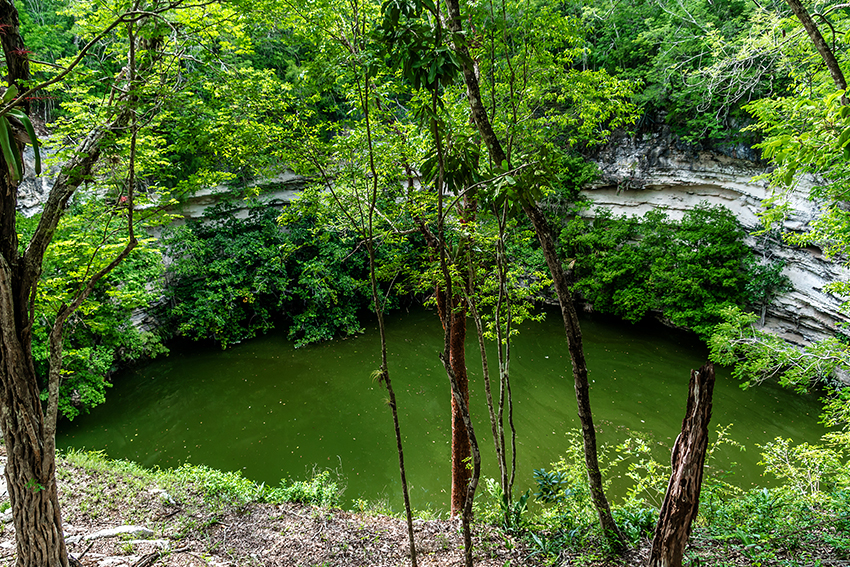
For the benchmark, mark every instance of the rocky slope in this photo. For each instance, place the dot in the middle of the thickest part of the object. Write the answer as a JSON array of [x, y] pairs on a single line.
[[639, 175]]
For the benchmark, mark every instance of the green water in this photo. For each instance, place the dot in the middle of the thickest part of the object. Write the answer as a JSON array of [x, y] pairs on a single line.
[[274, 412]]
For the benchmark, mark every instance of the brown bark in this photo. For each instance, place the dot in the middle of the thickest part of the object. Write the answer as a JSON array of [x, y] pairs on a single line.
[[16, 54], [29, 431], [454, 316], [461, 451], [573, 332], [820, 44], [681, 503], [30, 468], [450, 318], [582, 388]]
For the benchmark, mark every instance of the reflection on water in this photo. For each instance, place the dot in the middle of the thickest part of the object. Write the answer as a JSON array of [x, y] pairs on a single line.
[[274, 412]]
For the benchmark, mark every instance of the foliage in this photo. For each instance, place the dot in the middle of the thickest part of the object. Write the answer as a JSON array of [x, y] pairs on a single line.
[[689, 270], [757, 355], [228, 278], [565, 488], [766, 281], [696, 61], [538, 93], [525, 277], [222, 487], [46, 28], [804, 511], [320, 490], [233, 278], [650, 476], [102, 333], [805, 137], [808, 470], [218, 489]]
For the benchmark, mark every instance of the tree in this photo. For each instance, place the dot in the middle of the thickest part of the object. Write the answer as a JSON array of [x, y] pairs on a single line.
[[527, 201], [112, 126], [28, 429], [681, 502]]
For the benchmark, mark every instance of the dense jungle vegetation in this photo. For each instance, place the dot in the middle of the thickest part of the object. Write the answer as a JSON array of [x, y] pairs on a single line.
[[232, 277], [367, 101]]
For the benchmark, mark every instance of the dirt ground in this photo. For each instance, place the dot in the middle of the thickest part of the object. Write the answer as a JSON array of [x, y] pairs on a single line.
[[183, 532], [179, 527]]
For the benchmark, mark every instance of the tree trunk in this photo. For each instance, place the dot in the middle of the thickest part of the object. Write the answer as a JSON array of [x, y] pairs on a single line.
[[368, 236], [574, 344], [31, 478], [30, 466], [541, 227], [820, 44], [460, 438], [682, 500], [30, 446], [453, 316]]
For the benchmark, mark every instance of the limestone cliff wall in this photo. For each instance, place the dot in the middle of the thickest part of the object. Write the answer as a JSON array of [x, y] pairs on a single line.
[[655, 171], [637, 176]]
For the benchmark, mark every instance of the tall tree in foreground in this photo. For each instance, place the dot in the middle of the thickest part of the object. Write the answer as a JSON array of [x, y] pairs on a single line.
[[502, 162], [28, 428], [126, 101], [413, 39]]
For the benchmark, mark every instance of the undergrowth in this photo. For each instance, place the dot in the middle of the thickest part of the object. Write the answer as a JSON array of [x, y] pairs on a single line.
[[803, 520], [216, 489]]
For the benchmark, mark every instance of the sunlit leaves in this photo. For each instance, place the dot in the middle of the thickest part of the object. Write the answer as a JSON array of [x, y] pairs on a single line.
[[757, 355], [102, 331]]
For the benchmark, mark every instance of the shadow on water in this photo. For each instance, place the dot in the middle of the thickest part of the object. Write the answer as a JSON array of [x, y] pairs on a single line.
[[275, 412]]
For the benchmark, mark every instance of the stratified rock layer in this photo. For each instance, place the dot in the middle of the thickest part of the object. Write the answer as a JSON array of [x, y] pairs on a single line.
[[640, 175], [655, 172]]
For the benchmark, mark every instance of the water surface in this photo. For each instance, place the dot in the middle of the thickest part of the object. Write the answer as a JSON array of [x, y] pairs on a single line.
[[273, 411]]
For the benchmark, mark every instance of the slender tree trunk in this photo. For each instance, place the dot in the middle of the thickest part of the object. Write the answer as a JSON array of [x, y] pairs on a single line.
[[460, 398], [574, 344], [385, 378], [820, 44], [379, 313], [495, 426], [461, 451], [453, 317], [573, 332], [681, 503]]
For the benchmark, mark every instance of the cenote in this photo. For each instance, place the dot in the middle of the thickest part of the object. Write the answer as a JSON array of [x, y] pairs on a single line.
[[273, 411]]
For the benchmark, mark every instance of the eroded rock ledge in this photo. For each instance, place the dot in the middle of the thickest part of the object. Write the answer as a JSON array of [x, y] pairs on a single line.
[[639, 175]]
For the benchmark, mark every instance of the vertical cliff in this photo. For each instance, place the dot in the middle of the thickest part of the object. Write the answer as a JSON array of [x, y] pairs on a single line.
[[656, 171]]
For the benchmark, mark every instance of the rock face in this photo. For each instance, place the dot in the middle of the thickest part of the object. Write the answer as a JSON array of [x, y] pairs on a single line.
[[32, 191], [637, 176], [657, 172], [276, 192]]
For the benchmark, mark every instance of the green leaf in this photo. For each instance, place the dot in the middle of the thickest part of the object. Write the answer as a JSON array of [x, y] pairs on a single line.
[[10, 94], [844, 137], [25, 120], [10, 153]]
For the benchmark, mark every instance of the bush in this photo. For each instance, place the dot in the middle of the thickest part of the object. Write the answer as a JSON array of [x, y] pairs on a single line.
[[688, 270], [233, 278], [321, 490]]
